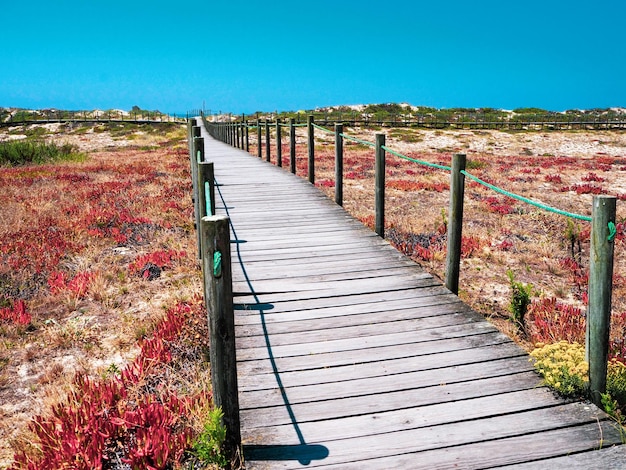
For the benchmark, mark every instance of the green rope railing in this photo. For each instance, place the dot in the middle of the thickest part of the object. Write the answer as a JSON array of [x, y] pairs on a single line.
[[526, 200], [323, 129], [354, 139], [612, 229], [421, 162]]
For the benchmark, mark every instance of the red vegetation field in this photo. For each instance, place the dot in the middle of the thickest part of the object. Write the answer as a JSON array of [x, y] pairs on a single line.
[[103, 354]]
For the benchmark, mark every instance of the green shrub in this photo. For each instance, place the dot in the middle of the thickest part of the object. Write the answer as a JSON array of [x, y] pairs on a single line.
[[520, 300], [24, 152], [207, 447]]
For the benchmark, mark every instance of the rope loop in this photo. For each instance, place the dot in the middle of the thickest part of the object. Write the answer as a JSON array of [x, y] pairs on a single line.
[[612, 231], [217, 264]]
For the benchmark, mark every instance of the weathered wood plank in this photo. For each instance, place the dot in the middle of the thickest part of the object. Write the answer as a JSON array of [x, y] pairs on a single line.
[[300, 281], [606, 458], [380, 368], [409, 418], [361, 346], [396, 400], [560, 420], [487, 454], [394, 309], [262, 365], [371, 316], [256, 338], [386, 384]]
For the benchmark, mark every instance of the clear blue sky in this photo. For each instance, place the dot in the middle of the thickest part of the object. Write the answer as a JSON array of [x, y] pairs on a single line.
[[245, 56]]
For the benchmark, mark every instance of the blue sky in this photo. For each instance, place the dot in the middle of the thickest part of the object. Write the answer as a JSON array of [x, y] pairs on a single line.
[[246, 56]]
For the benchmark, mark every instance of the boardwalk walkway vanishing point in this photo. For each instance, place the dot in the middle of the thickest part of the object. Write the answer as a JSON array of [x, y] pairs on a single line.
[[350, 356]]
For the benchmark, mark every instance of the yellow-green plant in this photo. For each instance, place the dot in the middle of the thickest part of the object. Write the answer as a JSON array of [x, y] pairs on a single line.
[[563, 367]]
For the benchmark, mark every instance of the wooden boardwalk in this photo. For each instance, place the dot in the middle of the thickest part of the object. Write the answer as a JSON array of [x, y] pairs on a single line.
[[350, 356]]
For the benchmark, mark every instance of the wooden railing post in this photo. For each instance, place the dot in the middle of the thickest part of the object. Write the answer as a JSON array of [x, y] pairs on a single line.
[[267, 141], [600, 291], [206, 189], [455, 222], [311, 147], [258, 139], [190, 134], [218, 296], [379, 176], [292, 145], [339, 164], [279, 150], [247, 135], [198, 156]]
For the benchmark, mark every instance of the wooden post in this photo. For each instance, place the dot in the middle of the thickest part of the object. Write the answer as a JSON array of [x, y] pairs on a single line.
[[600, 291], [455, 222], [292, 145], [247, 135], [379, 176], [206, 189], [218, 296], [198, 156], [267, 141], [311, 147], [339, 164], [190, 125], [279, 150], [258, 138]]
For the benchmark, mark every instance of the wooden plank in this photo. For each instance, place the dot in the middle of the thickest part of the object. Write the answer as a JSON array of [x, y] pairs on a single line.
[[405, 419], [386, 384], [498, 452], [301, 280], [379, 368], [397, 400], [281, 270], [606, 458], [257, 337], [419, 287], [563, 419], [360, 346], [262, 365], [394, 309], [370, 316]]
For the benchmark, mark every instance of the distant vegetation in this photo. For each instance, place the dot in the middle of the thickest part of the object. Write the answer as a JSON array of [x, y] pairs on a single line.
[[393, 112], [18, 115]]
